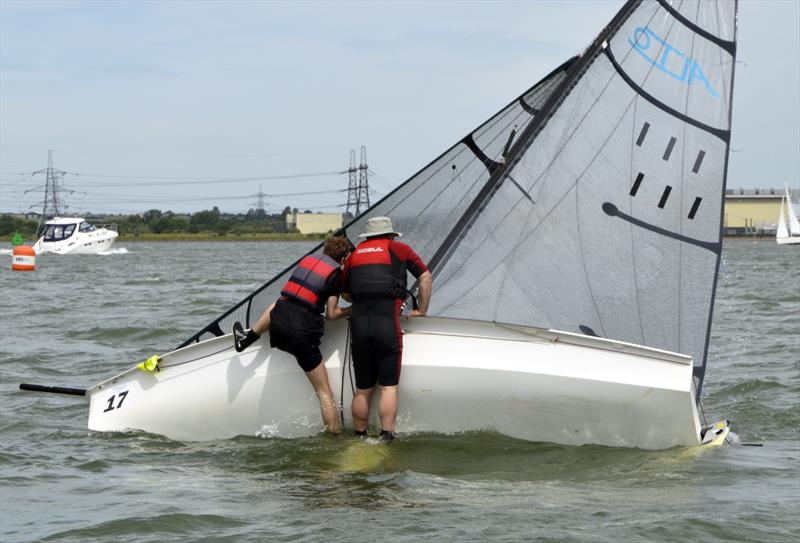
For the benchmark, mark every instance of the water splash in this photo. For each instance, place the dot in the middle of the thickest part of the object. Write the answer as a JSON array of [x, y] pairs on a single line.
[[114, 251]]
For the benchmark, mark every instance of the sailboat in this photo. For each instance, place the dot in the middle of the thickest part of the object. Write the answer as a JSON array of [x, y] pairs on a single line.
[[787, 234], [574, 238]]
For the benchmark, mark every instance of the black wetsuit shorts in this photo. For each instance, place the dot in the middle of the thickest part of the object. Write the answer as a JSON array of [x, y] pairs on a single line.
[[297, 329], [377, 342]]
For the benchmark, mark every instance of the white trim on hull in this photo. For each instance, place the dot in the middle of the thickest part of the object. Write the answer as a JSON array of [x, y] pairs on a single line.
[[457, 375]]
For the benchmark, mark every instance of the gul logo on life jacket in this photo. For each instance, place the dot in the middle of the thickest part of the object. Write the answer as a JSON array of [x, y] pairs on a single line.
[[369, 250], [670, 60]]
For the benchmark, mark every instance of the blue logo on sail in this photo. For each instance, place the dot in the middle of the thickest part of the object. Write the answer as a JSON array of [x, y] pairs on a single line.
[[668, 59]]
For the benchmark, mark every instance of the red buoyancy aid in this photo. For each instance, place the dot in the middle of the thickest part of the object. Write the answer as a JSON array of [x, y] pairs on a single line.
[[374, 271], [308, 280]]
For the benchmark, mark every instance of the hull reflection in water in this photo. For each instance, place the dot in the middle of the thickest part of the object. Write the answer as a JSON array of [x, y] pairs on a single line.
[[457, 375]]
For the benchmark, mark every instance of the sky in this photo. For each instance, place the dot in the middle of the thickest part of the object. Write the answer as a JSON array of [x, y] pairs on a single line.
[[185, 105]]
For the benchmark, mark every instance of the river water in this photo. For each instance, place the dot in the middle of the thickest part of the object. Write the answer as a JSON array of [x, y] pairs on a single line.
[[80, 319]]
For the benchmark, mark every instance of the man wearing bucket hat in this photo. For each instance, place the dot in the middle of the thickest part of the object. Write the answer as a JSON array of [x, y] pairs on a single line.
[[374, 279]]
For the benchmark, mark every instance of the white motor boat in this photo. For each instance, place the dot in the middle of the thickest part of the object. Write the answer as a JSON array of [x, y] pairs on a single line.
[[73, 235]]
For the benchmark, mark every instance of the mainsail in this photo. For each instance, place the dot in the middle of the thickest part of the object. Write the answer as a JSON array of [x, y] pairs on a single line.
[[603, 214]]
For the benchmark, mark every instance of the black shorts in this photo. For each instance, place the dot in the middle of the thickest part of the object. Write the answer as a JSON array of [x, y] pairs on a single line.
[[297, 329], [377, 342]]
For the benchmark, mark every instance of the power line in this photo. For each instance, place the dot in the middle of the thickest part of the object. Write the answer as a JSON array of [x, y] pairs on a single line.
[[195, 180]]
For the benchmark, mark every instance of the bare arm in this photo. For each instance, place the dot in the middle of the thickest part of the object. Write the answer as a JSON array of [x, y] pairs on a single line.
[[424, 298], [333, 311]]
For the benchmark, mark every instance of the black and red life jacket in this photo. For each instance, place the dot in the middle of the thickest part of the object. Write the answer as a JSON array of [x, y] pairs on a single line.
[[375, 271], [307, 283]]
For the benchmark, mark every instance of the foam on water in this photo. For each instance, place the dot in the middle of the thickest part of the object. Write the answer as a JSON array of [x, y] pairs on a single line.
[[114, 251]]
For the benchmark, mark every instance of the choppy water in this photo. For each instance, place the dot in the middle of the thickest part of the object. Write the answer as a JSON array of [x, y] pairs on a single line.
[[79, 319]]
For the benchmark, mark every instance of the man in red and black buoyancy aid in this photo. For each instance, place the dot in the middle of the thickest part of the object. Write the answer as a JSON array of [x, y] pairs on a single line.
[[374, 279], [308, 280], [295, 321]]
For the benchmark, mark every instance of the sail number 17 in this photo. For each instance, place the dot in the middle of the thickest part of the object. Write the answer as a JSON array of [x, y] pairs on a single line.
[[113, 398]]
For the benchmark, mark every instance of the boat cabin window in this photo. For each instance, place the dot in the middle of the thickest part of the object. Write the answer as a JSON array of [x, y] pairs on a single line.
[[86, 227], [58, 232]]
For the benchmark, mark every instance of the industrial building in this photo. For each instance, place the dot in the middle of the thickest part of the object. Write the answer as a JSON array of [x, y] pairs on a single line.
[[313, 223], [754, 211]]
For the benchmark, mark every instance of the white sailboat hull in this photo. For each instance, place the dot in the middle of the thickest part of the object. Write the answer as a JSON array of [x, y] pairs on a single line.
[[793, 240], [457, 375]]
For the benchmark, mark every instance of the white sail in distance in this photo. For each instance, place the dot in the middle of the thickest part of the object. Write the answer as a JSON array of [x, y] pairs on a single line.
[[782, 232], [794, 224]]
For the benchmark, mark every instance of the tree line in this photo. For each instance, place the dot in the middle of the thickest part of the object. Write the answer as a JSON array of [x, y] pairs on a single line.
[[155, 221]]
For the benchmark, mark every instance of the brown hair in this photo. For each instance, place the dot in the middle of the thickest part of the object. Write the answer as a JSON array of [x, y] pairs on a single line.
[[337, 247]]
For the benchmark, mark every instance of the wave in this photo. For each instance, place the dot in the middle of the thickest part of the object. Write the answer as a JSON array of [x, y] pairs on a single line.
[[114, 251]]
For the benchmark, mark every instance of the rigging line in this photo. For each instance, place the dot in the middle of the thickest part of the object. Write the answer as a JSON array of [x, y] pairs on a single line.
[[341, 380], [198, 358], [701, 371]]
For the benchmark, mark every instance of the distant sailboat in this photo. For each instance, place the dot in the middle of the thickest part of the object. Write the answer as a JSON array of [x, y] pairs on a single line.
[[787, 234]]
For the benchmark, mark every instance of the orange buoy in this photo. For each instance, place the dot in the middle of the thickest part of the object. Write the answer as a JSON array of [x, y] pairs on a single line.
[[23, 258]]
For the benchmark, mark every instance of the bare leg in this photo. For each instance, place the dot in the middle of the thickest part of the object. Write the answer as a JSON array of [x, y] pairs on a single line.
[[262, 324], [360, 408], [330, 415], [388, 408]]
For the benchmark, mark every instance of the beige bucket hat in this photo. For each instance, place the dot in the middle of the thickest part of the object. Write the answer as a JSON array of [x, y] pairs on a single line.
[[379, 226]]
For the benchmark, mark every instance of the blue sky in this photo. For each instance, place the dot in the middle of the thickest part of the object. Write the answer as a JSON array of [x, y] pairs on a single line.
[[150, 102]]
